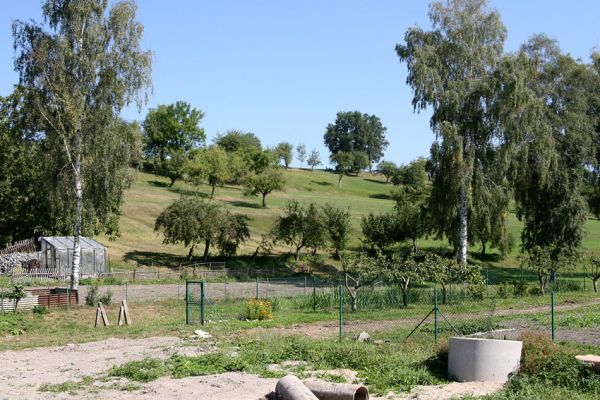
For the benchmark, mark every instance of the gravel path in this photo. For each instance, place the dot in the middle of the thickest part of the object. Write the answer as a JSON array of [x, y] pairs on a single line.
[[213, 290]]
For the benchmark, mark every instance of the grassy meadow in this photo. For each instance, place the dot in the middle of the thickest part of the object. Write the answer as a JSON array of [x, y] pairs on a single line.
[[363, 194]]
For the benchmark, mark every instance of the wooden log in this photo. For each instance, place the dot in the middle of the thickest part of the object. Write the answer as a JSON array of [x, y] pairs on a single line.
[[337, 391], [291, 388]]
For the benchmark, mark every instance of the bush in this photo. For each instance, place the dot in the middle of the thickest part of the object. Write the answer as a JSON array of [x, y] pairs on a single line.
[[503, 290], [476, 290], [258, 309], [519, 288], [567, 286], [41, 310], [534, 291], [93, 296], [537, 348]]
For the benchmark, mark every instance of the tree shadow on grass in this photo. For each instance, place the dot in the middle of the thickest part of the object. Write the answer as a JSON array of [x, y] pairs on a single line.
[[155, 258], [179, 190], [159, 184], [246, 204], [376, 181], [381, 196], [322, 183]]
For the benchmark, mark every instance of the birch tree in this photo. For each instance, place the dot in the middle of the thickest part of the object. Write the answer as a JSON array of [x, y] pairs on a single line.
[[448, 70], [79, 69]]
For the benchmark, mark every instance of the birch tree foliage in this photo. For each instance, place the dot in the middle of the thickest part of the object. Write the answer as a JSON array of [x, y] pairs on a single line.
[[550, 169], [78, 70], [448, 69]]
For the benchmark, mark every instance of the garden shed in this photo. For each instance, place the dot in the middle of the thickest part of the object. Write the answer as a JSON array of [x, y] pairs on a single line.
[[57, 255]]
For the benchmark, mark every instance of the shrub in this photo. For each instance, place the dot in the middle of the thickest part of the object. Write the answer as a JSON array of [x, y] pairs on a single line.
[[534, 291], [41, 310], [476, 290], [537, 348], [519, 288], [503, 290], [567, 286], [93, 296], [258, 309]]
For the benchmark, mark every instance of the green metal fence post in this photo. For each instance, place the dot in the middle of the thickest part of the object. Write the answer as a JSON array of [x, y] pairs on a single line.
[[341, 308], [256, 297], [435, 314], [314, 295], [202, 302], [552, 306], [187, 296]]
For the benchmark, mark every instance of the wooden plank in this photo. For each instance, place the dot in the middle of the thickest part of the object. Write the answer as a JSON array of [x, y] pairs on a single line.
[[101, 316]]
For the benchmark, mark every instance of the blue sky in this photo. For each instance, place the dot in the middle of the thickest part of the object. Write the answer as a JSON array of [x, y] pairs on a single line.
[[283, 69]]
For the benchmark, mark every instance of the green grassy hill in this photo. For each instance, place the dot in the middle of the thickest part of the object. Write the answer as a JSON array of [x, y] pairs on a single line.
[[363, 194]]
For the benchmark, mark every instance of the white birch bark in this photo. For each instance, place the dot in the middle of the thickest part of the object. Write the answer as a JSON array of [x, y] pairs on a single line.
[[78, 216], [463, 233]]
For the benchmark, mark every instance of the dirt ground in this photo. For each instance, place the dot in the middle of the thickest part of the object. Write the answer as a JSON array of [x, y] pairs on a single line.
[[24, 371]]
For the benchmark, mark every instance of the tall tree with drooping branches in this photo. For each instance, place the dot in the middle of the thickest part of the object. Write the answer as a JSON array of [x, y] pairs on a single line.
[[78, 70], [449, 69]]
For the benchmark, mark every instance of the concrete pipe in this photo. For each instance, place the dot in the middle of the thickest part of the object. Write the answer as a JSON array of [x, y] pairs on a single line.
[[337, 391], [476, 359], [291, 388]]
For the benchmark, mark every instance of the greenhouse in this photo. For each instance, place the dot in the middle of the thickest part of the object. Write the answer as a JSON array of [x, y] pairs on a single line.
[[57, 255]]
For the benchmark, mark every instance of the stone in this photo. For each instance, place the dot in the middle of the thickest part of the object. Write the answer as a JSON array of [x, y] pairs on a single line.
[[202, 334], [363, 337]]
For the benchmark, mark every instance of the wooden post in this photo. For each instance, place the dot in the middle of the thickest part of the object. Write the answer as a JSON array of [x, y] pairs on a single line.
[[124, 314], [101, 315]]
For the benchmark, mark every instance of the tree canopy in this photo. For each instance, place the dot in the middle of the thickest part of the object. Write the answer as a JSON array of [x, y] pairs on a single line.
[[265, 182], [171, 135], [356, 132]]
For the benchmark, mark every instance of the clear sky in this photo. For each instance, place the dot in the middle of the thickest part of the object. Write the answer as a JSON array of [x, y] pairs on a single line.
[[283, 69]]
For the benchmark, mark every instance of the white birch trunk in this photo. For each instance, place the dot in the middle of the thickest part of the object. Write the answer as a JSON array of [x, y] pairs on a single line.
[[78, 216], [463, 233]]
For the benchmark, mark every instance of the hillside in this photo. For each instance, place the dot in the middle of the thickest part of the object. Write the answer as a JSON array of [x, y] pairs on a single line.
[[363, 194]]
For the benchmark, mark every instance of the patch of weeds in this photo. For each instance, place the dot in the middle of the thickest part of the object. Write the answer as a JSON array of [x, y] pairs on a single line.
[[145, 370], [70, 387], [93, 296], [14, 324], [325, 376], [537, 348], [40, 310]]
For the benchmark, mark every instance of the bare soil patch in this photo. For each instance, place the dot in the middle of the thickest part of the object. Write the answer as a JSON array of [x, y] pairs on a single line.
[[25, 371]]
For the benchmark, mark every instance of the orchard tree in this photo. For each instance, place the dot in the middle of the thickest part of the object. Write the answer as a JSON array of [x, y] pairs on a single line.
[[338, 227], [301, 153], [171, 135], [78, 71], [593, 271], [314, 159], [413, 174], [379, 230], [193, 221], [359, 271], [212, 164], [268, 181], [410, 215], [344, 164], [445, 271], [387, 169], [449, 70], [406, 270], [545, 262], [300, 226], [233, 232], [353, 131], [238, 141], [284, 152]]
